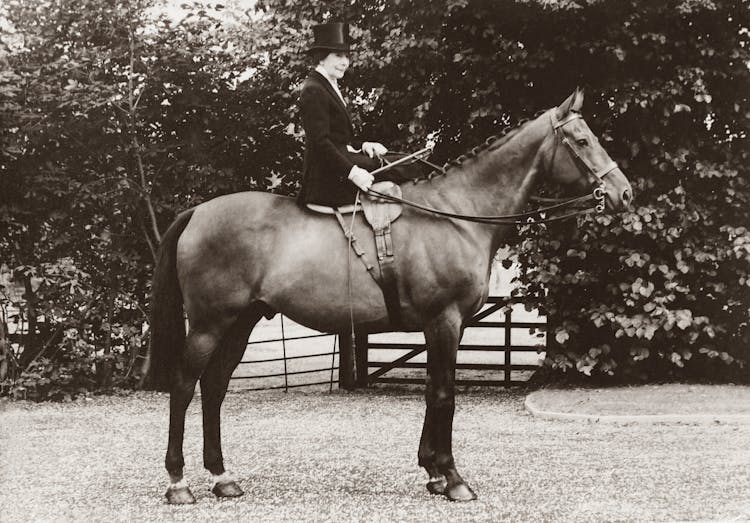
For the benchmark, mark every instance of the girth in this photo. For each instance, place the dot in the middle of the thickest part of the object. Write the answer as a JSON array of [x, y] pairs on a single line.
[[380, 215]]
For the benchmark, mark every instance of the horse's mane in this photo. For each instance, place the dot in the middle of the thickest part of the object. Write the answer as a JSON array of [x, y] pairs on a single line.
[[491, 143]]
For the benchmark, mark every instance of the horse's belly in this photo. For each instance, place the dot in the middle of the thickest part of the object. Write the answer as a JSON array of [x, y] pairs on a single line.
[[313, 279]]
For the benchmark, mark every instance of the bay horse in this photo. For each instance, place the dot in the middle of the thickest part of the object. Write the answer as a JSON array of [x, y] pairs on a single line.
[[239, 257]]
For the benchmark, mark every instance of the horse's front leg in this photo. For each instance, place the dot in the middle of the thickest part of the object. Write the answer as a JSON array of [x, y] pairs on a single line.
[[442, 336], [426, 454]]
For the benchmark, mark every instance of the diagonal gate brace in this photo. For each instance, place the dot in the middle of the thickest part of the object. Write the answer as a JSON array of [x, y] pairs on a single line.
[[395, 363]]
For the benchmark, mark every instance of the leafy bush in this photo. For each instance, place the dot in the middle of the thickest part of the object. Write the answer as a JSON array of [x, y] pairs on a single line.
[[662, 291]]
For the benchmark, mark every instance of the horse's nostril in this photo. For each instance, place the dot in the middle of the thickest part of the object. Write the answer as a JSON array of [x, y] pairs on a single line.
[[626, 197]]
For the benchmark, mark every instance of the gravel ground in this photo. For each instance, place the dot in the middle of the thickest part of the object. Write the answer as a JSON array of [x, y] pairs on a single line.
[[352, 457]]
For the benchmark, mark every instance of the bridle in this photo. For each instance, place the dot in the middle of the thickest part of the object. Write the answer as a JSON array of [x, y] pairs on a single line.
[[595, 176]]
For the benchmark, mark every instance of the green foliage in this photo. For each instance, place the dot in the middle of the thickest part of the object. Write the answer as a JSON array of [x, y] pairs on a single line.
[[116, 116]]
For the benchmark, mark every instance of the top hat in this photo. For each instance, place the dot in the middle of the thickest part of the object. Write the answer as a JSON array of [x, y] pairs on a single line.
[[332, 37]]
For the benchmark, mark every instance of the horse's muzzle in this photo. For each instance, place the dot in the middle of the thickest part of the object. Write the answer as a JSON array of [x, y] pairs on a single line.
[[619, 191]]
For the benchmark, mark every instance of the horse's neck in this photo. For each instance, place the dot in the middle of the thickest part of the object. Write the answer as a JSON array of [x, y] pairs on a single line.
[[498, 181]]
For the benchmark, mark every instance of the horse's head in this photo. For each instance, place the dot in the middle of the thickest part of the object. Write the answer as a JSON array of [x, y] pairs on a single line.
[[574, 156]]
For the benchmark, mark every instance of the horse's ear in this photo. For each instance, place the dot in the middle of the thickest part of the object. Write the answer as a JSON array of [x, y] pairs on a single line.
[[571, 103], [564, 108], [577, 101]]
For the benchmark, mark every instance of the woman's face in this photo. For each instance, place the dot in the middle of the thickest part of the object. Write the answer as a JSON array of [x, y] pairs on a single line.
[[336, 64]]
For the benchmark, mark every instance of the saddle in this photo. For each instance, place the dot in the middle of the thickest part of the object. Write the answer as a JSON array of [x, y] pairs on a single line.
[[379, 213]]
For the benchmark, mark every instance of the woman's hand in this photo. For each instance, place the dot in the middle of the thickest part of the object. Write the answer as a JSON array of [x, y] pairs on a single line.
[[373, 149], [361, 178]]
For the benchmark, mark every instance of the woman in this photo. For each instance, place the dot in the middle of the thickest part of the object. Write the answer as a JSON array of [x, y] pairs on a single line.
[[334, 170]]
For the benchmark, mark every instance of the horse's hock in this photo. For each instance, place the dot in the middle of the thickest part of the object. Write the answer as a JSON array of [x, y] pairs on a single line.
[[497, 349]]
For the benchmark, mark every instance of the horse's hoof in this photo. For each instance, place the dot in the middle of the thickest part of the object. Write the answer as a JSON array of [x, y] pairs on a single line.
[[437, 485], [228, 489], [180, 496], [460, 492]]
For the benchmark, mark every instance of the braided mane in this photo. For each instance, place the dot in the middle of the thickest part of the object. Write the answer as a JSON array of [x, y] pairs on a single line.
[[491, 143]]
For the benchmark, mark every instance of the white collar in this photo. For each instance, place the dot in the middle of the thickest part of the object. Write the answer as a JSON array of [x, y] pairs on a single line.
[[332, 81], [324, 73]]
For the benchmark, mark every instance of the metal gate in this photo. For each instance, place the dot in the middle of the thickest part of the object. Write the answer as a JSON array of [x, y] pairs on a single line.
[[292, 356], [289, 355]]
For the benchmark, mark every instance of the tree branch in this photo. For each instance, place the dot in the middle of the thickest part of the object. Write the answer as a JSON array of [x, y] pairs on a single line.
[[134, 138], [151, 246], [54, 335]]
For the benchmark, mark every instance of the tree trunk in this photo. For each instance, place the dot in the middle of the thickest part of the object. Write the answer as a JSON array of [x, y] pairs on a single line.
[[4, 351], [30, 341], [105, 368]]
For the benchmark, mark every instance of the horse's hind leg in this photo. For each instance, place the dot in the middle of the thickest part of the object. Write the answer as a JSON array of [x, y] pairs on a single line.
[[214, 383], [180, 396], [199, 347]]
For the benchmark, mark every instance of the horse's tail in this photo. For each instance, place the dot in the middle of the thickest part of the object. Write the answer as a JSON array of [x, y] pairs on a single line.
[[167, 325]]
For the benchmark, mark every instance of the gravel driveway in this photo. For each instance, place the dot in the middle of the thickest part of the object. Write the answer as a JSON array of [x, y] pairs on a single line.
[[352, 457]]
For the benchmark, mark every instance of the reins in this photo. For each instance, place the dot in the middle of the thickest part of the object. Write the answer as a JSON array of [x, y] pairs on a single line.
[[597, 196], [504, 219]]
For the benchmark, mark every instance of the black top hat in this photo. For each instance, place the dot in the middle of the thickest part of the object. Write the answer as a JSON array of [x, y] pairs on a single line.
[[332, 37]]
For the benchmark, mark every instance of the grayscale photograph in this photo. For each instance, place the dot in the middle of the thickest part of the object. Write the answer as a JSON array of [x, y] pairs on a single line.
[[375, 261]]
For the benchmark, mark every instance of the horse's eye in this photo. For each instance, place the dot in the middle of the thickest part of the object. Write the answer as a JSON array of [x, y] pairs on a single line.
[[583, 142]]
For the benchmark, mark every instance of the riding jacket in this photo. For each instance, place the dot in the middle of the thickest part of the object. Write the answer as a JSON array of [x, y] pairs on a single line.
[[328, 153], [328, 130]]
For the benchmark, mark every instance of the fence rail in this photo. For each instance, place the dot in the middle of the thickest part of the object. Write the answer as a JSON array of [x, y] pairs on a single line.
[[381, 371], [285, 358], [507, 348], [286, 386]]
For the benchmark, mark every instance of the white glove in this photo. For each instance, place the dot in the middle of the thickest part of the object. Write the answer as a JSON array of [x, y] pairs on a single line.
[[361, 178], [373, 149]]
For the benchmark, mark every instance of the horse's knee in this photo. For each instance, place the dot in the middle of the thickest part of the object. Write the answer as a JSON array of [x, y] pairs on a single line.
[[443, 395], [442, 398]]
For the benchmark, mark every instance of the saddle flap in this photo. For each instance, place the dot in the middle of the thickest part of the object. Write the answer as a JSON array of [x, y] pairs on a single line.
[[380, 213]]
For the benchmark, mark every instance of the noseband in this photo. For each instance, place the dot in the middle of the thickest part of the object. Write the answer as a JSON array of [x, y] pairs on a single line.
[[595, 176]]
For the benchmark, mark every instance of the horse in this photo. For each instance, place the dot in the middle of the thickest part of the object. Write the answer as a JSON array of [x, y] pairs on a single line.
[[234, 259]]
